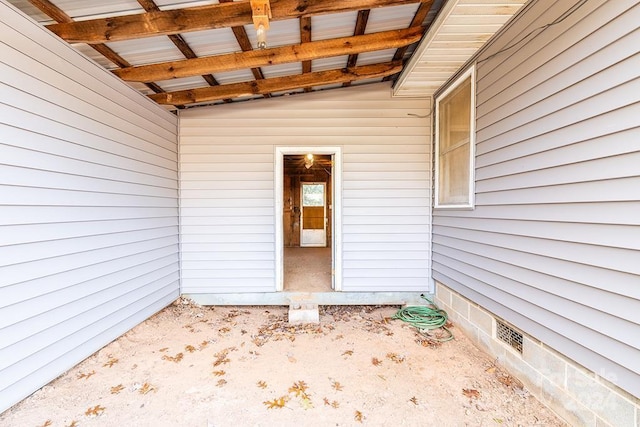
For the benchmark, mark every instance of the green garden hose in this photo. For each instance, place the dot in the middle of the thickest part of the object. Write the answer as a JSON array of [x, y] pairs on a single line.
[[426, 318]]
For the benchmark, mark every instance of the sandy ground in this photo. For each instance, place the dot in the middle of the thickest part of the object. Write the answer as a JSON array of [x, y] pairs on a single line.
[[246, 366]]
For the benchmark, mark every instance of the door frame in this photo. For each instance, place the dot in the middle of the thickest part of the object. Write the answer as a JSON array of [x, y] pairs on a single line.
[[324, 211], [336, 211]]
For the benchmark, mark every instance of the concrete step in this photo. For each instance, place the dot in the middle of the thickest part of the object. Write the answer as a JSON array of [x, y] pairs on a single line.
[[301, 312]]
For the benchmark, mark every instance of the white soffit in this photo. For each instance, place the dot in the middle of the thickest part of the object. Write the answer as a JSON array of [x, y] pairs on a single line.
[[459, 30]]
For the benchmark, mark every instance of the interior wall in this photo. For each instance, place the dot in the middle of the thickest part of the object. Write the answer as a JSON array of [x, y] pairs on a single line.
[[227, 164], [293, 206], [88, 207]]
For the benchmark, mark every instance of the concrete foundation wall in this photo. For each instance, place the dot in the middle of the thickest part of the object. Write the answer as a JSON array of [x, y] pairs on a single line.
[[579, 396]]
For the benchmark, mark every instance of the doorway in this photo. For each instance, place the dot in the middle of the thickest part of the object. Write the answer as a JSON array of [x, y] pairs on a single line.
[[308, 241]]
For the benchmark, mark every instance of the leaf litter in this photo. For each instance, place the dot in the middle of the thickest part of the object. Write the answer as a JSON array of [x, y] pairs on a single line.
[[255, 384]]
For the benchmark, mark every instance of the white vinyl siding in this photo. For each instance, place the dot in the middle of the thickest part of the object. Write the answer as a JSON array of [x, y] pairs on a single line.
[[553, 243], [88, 207], [227, 187]]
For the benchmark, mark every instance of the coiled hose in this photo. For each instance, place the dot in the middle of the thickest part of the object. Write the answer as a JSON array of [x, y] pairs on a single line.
[[426, 318]]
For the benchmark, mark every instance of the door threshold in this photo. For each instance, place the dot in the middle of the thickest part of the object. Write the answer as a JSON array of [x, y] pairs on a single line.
[[320, 298]]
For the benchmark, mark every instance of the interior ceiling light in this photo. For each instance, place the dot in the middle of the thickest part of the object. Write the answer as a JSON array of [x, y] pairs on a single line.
[[261, 12], [308, 161]]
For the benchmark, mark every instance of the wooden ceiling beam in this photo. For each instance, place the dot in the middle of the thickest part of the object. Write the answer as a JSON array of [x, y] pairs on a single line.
[[418, 19], [273, 56], [51, 10], [361, 26], [245, 44], [200, 18], [277, 84], [177, 40], [305, 37], [58, 15]]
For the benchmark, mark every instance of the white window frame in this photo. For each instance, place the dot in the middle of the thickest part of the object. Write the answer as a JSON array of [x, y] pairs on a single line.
[[469, 73]]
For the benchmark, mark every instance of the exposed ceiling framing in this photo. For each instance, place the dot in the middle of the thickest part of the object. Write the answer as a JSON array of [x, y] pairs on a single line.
[[308, 59], [184, 53]]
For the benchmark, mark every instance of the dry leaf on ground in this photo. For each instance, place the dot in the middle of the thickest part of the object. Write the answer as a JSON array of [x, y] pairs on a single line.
[[280, 402], [86, 375], [95, 411], [117, 389], [471, 393], [299, 388], [146, 388], [177, 358], [109, 363]]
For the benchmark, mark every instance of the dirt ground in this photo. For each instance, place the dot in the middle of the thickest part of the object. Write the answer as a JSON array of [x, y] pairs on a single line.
[[246, 366]]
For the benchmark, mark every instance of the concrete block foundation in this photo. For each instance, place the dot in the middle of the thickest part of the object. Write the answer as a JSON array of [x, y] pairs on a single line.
[[577, 395]]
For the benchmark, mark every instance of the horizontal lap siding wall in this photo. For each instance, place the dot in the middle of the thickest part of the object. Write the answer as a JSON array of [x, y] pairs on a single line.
[[553, 243], [227, 187], [88, 207]]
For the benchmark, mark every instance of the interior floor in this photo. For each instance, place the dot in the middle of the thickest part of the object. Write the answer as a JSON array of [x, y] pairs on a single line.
[[307, 269]]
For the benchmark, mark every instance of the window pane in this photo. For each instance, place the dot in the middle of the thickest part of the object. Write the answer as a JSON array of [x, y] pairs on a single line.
[[454, 177], [454, 111], [454, 145], [313, 195]]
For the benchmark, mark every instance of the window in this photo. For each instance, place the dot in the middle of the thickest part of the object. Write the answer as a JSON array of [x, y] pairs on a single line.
[[313, 195], [455, 116]]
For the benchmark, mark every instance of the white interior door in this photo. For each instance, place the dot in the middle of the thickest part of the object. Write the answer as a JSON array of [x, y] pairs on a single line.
[[313, 230]]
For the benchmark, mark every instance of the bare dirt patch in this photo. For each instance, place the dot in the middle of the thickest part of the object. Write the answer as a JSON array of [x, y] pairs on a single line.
[[237, 366]]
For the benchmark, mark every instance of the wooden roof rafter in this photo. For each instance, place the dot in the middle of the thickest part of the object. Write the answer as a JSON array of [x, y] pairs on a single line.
[[178, 41], [198, 18], [179, 88], [276, 84], [418, 19], [245, 44], [272, 56], [361, 26], [58, 15], [305, 37]]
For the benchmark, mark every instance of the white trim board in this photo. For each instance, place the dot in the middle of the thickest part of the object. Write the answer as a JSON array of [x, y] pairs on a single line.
[[336, 213]]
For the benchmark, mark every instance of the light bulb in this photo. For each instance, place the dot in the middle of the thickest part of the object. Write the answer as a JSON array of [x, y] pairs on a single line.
[[262, 37], [308, 161]]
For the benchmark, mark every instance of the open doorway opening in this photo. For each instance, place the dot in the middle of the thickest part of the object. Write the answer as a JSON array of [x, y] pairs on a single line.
[[307, 222], [307, 253]]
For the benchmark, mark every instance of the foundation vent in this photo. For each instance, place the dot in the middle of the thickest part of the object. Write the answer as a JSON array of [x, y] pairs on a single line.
[[509, 336]]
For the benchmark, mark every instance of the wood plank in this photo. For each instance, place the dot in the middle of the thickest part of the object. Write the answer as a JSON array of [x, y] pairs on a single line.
[[305, 37], [200, 18], [51, 10], [277, 84], [361, 25], [177, 40], [273, 56], [57, 14], [418, 19], [245, 45]]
